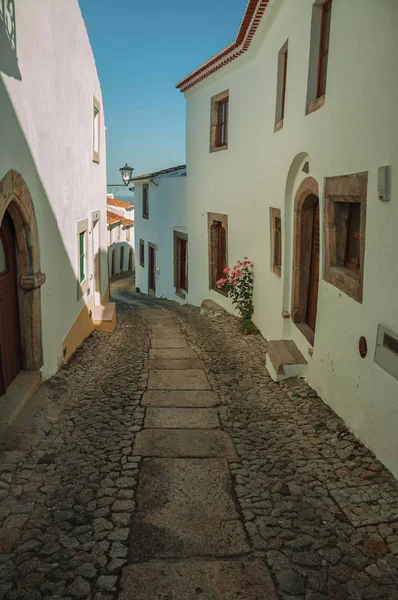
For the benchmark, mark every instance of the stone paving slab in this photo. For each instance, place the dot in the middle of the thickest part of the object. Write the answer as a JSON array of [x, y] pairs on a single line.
[[172, 353], [177, 363], [180, 398], [175, 342], [178, 379], [185, 508], [181, 418], [184, 443], [367, 504], [162, 324], [166, 333], [207, 580]]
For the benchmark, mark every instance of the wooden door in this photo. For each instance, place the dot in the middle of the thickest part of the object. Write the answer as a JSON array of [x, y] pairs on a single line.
[[152, 268], [183, 265], [121, 259], [113, 263], [10, 337], [131, 259], [312, 301]]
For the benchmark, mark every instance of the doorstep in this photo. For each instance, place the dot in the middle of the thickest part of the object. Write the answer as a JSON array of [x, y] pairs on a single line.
[[18, 393], [284, 360], [104, 317], [209, 308]]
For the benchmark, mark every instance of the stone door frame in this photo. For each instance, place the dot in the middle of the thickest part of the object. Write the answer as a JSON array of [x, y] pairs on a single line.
[[16, 199]]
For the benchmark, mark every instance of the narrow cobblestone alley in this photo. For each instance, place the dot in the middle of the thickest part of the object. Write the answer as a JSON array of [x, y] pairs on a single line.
[[168, 466]]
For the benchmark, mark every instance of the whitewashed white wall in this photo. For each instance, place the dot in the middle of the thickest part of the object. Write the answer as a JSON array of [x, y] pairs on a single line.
[[46, 124], [355, 131], [167, 212]]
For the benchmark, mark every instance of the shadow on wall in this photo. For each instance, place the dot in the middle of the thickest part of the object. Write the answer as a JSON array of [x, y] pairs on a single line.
[[8, 40], [60, 308]]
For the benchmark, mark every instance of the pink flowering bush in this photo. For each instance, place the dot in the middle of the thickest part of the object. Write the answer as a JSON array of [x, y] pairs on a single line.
[[238, 282]]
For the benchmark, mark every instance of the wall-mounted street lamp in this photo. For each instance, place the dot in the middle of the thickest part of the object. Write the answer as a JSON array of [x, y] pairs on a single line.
[[126, 173]]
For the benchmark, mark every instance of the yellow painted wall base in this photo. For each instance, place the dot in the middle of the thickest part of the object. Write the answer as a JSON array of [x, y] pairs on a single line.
[[102, 318], [81, 328]]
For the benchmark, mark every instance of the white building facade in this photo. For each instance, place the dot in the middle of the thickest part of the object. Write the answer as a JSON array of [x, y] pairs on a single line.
[[161, 235], [53, 255], [293, 160], [120, 218]]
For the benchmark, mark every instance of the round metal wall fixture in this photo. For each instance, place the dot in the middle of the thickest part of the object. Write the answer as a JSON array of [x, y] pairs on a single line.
[[363, 347]]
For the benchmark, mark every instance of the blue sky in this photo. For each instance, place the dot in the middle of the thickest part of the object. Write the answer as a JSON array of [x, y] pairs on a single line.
[[141, 49]]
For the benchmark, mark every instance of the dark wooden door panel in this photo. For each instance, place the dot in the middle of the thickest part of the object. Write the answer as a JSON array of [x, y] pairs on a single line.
[[10, 339], [312, 303], [152, 268]]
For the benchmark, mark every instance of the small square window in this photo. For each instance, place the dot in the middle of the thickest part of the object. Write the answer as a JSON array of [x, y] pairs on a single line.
[[219, 122], [145, 201], [345, 226], [142, 253]]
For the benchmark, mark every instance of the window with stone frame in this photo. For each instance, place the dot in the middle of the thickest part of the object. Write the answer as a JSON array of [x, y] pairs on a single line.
[[180, 263], [319, 54], [142, 253], [276, 241], [145, 201], [219, 122], [218, 248], [345, 228], [281, 87], [96, 130]]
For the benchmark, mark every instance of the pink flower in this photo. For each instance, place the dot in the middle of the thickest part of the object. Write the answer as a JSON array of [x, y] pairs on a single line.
[[221, 282], [235, 283], [226, 270]]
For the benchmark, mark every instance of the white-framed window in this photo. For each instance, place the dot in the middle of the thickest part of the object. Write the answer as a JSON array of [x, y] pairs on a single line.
[[82, 257], [96, 130]]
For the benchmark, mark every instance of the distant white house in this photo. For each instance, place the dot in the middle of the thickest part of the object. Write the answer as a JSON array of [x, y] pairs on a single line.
[[53, 247], [293, 161], [120, 219], [161, 235]]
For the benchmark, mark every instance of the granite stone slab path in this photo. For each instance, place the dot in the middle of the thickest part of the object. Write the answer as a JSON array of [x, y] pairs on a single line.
[[188, 539]]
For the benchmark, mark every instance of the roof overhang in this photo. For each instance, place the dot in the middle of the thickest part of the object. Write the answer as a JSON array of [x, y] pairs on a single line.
[[251, 19]]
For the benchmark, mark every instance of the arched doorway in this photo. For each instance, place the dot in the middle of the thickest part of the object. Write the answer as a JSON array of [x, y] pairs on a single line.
[[10, 333], [21, 279], [306, 258], [121, 259]]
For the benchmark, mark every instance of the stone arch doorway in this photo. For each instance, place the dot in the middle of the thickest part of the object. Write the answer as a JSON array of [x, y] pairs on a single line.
[[18, 224], [306, 251]]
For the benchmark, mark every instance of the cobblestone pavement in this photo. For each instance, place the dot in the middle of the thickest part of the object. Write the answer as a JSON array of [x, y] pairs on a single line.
[[317, 507]]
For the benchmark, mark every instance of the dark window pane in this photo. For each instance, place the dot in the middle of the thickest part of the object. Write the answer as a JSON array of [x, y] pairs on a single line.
[[356, 218]]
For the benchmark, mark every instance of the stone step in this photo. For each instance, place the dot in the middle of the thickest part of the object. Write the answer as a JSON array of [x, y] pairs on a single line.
[[180, 398], [178, 379], [184, 443], [185, 508], [207, 580], [181, 418], [209, 308], [284, 360]]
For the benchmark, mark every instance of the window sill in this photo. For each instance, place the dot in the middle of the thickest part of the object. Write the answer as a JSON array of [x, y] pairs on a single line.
[[181, 294], [346, 280], [220, 291], [278, 126], [145, 216], [316, 104], [219, 148], [277, 271], [96, 159]]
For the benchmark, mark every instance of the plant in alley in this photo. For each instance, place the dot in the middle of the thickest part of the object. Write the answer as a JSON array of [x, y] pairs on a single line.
[[238, 282]]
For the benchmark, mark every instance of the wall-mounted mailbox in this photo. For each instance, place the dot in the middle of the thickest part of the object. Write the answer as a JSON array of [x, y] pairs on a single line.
[[384, 183], [386, 354]]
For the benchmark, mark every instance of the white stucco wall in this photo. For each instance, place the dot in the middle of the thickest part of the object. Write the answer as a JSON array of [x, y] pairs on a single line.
[[46, 120], [354, 131], [167, 212]]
